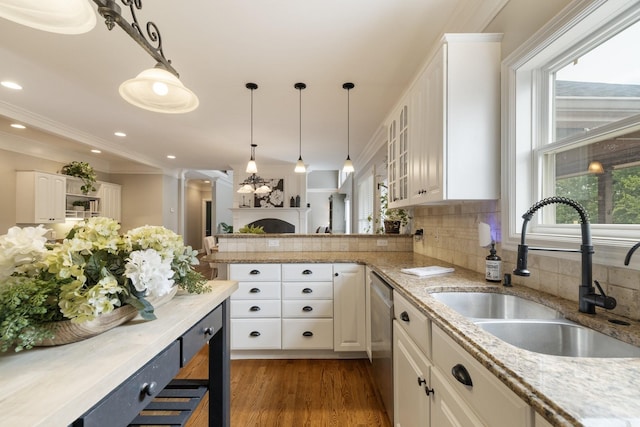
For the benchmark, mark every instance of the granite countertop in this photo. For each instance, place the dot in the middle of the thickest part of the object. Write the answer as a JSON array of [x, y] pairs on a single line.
[[567, 391]]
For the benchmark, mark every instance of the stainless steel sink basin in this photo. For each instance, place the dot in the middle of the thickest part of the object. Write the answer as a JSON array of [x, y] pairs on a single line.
[[558, 338], [487, 305]]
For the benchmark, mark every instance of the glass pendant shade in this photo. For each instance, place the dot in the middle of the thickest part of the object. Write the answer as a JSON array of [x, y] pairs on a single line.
[[263, 189], [245, 189], [251, 166], [156, 89], [55, 16], [348, 166], [300, 167]]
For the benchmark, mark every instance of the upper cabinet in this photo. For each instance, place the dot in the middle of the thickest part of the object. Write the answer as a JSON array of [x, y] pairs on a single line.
[[110, 198], [452, 135], [40, 197]]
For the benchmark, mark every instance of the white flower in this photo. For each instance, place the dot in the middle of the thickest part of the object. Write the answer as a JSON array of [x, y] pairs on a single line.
[[148, 270], [21, 248]]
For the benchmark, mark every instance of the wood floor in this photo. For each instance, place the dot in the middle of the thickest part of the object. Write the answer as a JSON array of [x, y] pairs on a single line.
[[296, 393]]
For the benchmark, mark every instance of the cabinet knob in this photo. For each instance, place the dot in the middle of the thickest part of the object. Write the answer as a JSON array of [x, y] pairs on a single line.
[[150, 389], [254, 308], [307, 334], [461, 374], [208, 331], [421, 381], [254, 291], [254, 272], [429, 391], [307, 308], [307, 272], [254, 334], [336, 274], [404, 316], [307, 290]]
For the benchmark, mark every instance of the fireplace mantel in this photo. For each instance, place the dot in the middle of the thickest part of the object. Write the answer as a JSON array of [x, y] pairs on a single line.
[[295, 216]]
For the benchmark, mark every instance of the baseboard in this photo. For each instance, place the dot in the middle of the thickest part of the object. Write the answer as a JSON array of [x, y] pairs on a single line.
[[297, 354]]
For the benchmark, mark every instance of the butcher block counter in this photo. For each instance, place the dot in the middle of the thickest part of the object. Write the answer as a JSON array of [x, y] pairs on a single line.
[[55, 386], [565, 391]]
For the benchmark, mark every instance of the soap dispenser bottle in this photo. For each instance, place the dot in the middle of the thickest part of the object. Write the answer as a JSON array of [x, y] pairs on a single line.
[[493, 265]]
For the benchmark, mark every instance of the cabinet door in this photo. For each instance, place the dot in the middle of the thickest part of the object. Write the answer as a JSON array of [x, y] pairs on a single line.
[[349, 307], [433, 153], [40, 197], [398, 157], [447, 408], [411, 382], [110, 200]]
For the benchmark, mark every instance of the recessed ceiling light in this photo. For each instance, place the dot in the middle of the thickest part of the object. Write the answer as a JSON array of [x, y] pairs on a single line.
[[96, 151], [11, 85], [171, 156], [206, 181], [120, 134], [18, 126]]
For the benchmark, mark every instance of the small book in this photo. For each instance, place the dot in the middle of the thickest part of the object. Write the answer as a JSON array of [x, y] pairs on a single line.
[[427, 271]]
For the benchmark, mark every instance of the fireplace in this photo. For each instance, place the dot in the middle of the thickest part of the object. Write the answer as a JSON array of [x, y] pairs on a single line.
[[274, 220]]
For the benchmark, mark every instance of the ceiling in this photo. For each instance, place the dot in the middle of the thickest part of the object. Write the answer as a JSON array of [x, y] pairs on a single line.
[[71, 81]]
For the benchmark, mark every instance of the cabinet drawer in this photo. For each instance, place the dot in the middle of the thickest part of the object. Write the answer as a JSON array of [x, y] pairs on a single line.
[[200, 334], [258, 308], [307, 272], [301, 334], [250, 334], [254, 272], [132, 396], [413, 322], [312, 308], [309, 290], [488, 397], [257, 290]]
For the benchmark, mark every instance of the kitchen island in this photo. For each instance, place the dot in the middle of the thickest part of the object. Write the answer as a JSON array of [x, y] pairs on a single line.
[[55, 386], [564, 391]]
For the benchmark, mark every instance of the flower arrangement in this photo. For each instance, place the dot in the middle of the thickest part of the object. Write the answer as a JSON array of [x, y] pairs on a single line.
[[84, 171], [93, 271]]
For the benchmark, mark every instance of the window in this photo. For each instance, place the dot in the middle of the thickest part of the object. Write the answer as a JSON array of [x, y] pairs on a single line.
[[365, 205], [573, 126]]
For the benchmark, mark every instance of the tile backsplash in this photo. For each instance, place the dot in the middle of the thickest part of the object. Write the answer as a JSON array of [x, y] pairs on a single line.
[[451, 234]]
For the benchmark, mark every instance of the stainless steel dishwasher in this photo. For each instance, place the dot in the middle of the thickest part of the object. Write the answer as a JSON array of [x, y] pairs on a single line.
[[382, 340]]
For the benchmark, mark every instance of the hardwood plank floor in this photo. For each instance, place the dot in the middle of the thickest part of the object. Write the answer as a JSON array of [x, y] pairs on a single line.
[[292, 393]]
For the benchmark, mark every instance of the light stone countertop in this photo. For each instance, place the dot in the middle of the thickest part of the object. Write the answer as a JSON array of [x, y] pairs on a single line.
[[567, 391], [53, 386]]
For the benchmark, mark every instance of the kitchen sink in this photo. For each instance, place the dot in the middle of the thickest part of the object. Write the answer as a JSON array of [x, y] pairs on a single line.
[[558, 338], [488, 305]]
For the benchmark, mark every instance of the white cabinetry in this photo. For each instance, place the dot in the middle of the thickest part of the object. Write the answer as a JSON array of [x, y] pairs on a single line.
[[307, 306], [411, 367], [255, 307], [452, 139], [89, 205], [40, 197], [349, 308], [110, 198], [470, 394]]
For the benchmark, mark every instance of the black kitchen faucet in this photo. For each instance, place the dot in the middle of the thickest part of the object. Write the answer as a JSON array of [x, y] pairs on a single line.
[[588, 298]]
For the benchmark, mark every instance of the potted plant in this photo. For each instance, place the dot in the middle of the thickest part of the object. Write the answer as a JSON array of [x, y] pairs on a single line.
[[80, 205], [84, 171], [393, 219]]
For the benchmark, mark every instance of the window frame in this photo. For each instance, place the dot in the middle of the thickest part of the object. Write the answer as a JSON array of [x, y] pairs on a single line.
[[526, 119]]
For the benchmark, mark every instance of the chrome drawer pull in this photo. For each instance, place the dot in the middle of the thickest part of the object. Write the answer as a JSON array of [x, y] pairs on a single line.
[[307, 272], [254, 291], [254, 272], [307, 308], [307, 334], [307, 290], [254, 334], [208, 331], [254, 308], [461, 374]]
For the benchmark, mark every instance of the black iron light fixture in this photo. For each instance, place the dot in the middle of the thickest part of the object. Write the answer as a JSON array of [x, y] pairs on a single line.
[[253, 184], [157, 89], [300, 167], [348, 164]]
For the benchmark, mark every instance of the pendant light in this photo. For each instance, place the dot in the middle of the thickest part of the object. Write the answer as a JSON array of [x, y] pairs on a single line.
[[156, 89], [251, 165], [348, 164], [300, 167], [55, 16]]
